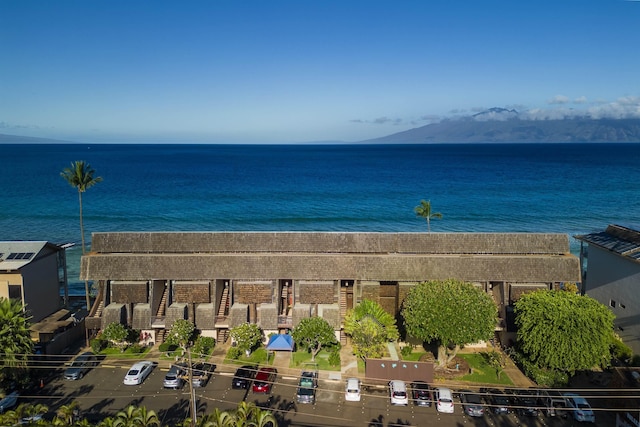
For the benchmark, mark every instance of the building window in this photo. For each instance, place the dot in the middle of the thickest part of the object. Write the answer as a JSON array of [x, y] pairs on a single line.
[[622, 306], [612, 303], [15, 292]]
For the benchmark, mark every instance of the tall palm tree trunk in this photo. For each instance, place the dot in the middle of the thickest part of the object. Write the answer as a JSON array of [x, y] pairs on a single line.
[[86, 282]]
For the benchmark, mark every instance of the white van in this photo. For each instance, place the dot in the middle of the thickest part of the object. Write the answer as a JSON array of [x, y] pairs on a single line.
[[444, 400], [398, 392]]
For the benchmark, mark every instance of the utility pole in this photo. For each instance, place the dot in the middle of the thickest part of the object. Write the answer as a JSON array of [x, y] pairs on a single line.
[[192, 394]]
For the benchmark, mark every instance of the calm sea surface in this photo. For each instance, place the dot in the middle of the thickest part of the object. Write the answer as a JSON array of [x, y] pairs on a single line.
[[565, 188]]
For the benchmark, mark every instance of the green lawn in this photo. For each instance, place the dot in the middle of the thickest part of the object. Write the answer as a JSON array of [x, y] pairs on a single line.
[[482, 371], [299, 358], [258, 357], [127, 354], [414, 356]]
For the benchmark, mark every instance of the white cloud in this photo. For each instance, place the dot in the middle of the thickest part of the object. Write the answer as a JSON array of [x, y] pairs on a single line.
[[558, 99], [580, 100]]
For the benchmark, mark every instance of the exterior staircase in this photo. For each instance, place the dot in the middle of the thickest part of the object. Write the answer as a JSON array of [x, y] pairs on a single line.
[[223, 309], [162, 308], [98, 312], [343, 303], [223, 336]]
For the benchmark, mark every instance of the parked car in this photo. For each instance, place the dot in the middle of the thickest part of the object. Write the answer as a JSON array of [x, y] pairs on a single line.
[[80, 366], [421, 393], [243, 377], [175, 377], [553, 404], [525, 402], [306, 392], [138, 372], [265, 377], [201, 373], [444, 400], [497, 399], [471, 403], [9, 401], [580, 408], [352, 390], [398, 392]]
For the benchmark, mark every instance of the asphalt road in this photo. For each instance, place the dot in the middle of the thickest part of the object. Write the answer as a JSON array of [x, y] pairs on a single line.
[[101, 393]]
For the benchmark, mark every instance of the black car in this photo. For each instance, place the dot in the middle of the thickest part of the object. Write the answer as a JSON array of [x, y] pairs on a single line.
[[421, 393], [526, 402], [243, 377], [498, 400]]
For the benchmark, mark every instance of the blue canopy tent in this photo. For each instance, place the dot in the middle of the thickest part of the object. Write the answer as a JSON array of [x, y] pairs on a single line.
[[280, 342]]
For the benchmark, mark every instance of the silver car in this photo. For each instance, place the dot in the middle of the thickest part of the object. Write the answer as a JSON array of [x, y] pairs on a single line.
[[80, 366], [175, 377]]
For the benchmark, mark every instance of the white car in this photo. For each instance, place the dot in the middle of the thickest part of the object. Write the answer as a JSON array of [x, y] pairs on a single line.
[[352, 390], [398, 393], [580, 408], [444, 400], [138, 372]]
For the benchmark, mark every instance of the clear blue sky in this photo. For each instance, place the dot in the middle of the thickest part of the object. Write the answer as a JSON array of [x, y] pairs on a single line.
[[294, 71]]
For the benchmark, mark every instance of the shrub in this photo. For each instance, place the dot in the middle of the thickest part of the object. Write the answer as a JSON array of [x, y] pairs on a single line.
[[234, 353], [334, 358], [542, 377], [203, 345], [166, 347], [98, 344], [619, 350], [135, 349], [406, 350]]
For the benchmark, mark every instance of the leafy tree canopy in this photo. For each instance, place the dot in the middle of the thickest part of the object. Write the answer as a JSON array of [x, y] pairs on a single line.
[[451, 312], [314, 333], [564, 330], [181, 333], [370, 328], [116, 333], [247, 336], [15, 337]]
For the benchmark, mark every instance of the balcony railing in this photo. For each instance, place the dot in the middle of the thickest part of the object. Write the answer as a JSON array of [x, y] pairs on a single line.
[[158, 322], [285, 321]]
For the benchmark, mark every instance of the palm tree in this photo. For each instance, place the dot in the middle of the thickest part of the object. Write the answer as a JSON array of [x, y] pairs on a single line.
[[80, 176], [15, 337], [65, 416], [424, 211]]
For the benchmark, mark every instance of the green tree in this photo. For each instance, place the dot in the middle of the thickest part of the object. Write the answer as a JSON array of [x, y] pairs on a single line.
[[134, 416], [423, 210], [181, 333], [450, 312], [66, 415], [564, 330], [81, 177], [314, 333], [15, 338], [117, 334], [370, 328], [247, 336]]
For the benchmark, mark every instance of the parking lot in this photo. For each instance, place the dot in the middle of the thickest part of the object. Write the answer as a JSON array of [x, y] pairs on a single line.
[[101, 393]]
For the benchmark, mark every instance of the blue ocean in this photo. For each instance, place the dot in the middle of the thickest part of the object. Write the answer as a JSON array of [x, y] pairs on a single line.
[[564, 188]]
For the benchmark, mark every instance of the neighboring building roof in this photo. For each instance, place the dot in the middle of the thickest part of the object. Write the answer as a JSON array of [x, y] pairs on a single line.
[[621, 240], [518, 257], [16, 254]]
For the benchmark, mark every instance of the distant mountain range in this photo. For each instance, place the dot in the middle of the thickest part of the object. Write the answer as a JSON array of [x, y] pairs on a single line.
[[510, 127], [13, 139]]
